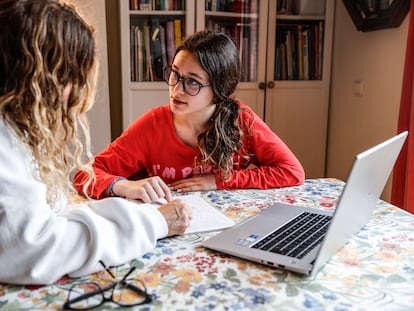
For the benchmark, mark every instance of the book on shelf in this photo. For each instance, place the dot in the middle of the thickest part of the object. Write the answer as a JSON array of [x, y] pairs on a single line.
[[163, 49], [245, 58], [148, 73], [289, 55], [156, 5], [300, 52], [320, 31], [157, 43], [177, 32], [133, 44], [254, 33], [317, 57], [170, 36], [140, 56], [305, 53], [283, 70], [137, 54]]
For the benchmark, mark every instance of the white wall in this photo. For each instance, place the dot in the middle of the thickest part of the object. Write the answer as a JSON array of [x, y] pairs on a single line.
[[358, 122], [99, 116]]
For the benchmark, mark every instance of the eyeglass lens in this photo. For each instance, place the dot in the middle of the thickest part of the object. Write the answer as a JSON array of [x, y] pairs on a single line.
[[122, 294], [77, 302], [190, 86]]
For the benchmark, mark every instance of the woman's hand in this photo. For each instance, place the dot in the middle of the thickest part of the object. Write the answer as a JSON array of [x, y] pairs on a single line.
[[197, 183], [178, 216], [147, 190]]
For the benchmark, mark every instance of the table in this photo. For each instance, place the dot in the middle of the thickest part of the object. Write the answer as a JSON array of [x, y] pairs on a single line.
[[374, 271]]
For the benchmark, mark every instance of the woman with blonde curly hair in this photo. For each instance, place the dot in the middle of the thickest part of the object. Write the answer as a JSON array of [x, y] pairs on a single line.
[[48, 73]]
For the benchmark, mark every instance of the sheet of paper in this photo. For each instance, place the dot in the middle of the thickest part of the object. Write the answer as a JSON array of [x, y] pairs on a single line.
[[205, 216]]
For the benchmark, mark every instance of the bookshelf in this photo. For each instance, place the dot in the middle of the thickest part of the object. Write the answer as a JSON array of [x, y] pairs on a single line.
[[294, 105], [150, 30]]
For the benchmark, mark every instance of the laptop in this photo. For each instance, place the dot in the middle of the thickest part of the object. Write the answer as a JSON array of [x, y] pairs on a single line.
[[301, 239]]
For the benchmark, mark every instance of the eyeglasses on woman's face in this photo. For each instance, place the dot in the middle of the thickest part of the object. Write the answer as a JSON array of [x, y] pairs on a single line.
[[124, 293], [191, 87]]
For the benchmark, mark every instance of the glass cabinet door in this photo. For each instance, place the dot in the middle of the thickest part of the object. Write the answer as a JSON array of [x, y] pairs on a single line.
[[239, 20], [299, 40], [246, 23]]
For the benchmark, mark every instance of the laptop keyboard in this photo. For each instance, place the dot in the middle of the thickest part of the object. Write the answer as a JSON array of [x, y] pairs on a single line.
[[297, 237]]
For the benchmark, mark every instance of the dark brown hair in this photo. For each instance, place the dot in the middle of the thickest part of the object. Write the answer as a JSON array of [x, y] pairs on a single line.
[[218, 56]]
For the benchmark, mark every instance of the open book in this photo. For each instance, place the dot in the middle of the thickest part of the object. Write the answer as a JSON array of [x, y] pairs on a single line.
[[205, 216]]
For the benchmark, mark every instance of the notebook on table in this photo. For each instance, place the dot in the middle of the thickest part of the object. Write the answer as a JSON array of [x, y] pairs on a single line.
[[302, 239]]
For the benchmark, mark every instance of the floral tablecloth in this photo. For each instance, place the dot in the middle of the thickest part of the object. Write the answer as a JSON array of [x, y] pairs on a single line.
[[374, 271]]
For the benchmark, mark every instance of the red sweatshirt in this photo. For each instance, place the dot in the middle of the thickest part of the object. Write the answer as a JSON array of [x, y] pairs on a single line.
[[150, 144]]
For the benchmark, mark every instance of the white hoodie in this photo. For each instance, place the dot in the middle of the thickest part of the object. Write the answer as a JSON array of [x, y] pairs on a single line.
[[38, 244]]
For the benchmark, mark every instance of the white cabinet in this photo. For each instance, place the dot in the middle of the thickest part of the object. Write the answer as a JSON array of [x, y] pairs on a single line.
[[285, 49], [297, 110]]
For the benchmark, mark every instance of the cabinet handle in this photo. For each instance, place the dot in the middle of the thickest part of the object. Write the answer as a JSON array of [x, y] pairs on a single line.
[[263, 85]]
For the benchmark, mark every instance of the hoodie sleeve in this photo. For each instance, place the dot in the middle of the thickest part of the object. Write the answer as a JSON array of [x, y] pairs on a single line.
[[272, 164], [39, 244]]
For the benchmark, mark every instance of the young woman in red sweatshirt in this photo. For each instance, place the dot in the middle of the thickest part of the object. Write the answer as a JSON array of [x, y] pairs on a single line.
[[203, 139]]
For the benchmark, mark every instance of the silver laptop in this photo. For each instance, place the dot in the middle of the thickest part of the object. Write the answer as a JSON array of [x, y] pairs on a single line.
[[301, 239]]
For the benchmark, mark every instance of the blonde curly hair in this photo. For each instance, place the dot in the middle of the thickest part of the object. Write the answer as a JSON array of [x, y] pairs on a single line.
[[47, 50]]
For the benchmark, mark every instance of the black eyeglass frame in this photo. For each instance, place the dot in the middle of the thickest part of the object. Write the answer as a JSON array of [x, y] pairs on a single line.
[[101, 291], [181, 79]]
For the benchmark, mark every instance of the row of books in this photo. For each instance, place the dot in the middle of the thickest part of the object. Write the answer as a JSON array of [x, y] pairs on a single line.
[[245, 6], [245, 36], [299, 51], [153, 46], [162, 5]]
